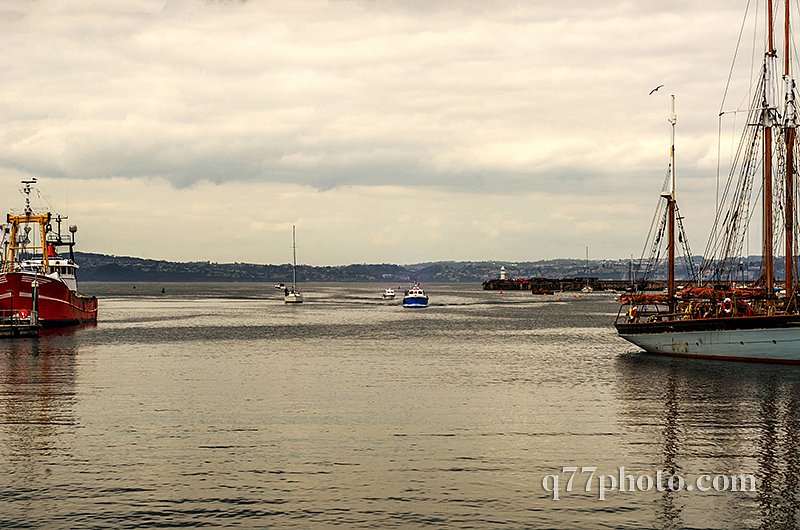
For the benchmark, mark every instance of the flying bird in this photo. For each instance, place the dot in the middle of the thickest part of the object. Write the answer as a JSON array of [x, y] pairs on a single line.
[[654, 90]]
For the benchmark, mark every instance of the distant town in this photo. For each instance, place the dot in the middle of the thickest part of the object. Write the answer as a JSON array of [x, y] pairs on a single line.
[[103, 267]]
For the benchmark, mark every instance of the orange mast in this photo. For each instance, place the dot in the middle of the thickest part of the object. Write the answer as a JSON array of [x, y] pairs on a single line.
[[789, 128], [768, 265], [15, 245]]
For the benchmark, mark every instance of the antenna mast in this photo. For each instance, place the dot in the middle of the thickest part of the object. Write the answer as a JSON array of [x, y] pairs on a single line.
[[27, 191]]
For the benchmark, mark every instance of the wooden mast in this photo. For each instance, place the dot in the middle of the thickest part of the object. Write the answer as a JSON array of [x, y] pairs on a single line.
[[789, 130], [671, 214], [768, 253]]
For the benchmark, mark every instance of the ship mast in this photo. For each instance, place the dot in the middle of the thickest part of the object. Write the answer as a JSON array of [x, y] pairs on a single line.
[[294, 263], [671, 213], [17, 245], [789, 125], [767, 124]]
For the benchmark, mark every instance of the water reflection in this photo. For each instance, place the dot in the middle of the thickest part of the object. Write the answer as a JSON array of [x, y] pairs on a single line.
[[697, 417], [37, 394], [671, 514]]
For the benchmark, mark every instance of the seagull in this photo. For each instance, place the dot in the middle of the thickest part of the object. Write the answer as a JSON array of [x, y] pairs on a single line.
[[654, 90]]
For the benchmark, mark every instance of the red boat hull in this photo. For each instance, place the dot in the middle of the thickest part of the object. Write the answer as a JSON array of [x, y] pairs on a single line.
[[58, 305]]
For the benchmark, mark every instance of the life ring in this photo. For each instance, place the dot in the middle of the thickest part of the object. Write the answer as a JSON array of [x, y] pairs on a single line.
[[727, 305], [23, 313]]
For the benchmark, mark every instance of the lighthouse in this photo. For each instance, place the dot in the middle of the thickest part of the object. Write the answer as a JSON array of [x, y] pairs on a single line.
[[502, 273]]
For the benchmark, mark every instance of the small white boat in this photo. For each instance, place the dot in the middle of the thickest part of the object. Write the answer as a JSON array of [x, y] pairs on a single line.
[[587, 289], [388, 294], [415, 297]]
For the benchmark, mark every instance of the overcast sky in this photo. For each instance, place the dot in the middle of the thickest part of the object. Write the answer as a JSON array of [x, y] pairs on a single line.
[[387, 131]]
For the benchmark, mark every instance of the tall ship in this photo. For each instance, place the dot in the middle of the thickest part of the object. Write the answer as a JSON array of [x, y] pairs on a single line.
[[718, 313], [36, 253]]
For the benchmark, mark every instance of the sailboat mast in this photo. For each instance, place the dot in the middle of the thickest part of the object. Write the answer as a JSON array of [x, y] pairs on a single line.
[[768, 253], [786, 39], [294, 262], [673, 119], [588, 282], [789, 131]]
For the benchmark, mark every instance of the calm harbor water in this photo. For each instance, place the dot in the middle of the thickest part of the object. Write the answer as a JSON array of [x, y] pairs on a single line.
[[218, 405]]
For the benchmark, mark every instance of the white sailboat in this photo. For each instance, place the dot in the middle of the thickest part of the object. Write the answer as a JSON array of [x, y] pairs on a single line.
[[587, 288], [293, 296]]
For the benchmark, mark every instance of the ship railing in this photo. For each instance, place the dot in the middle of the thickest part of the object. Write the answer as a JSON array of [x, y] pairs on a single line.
[[632, 314], [686, 312], [15, 317]]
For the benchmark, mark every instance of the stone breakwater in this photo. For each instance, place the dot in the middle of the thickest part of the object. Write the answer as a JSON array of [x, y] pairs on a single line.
[[567, 284]]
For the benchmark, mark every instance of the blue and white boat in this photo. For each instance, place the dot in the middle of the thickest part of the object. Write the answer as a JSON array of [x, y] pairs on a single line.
[[415, 297]]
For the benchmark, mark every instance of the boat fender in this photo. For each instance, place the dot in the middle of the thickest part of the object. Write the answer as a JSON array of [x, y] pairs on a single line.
[[727, 305]]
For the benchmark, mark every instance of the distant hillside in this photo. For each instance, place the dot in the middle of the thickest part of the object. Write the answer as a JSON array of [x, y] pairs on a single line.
[[102, 267]]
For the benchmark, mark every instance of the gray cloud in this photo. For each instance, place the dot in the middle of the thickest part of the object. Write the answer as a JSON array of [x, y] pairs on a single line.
[[436, 93], [477, 104]]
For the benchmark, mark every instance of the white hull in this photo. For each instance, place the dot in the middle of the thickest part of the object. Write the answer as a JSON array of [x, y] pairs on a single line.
[[293, 298], [767, 345]]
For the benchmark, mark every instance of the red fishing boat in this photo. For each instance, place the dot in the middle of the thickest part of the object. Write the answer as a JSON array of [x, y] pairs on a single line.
[[33, 260]]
